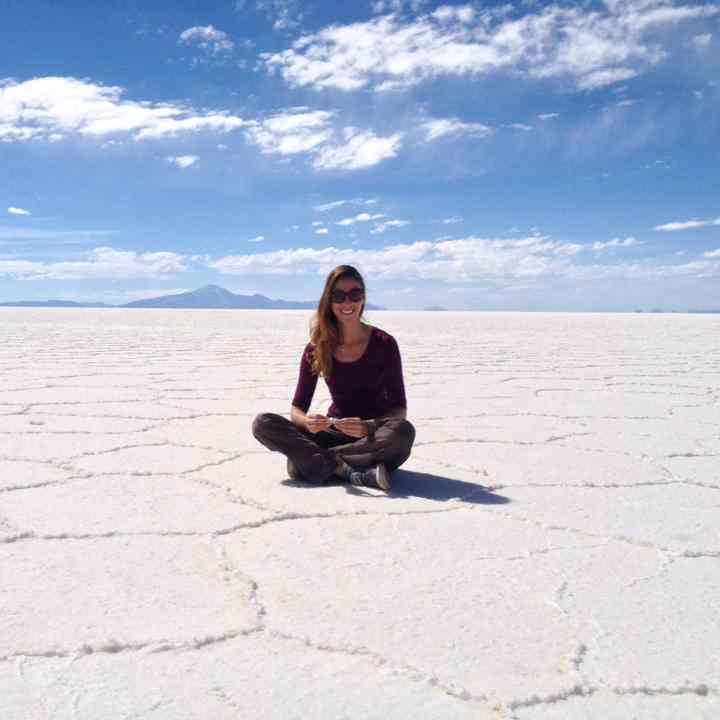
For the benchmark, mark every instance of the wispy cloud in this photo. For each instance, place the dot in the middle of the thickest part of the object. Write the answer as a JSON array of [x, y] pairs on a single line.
[[451, 220], [43, 107], [686, 225], [592, 48], [284, 14], [101, 263], [339, 203], [322, 231], [18, 211], [442, 127], [382, 227], [616, 243], [207, 38], [257, 239], [712, 253], [292, 131], [182, 161], [361, 217], [548, 116]]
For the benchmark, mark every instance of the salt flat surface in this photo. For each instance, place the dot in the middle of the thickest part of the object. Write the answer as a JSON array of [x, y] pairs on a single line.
[[550, 551]]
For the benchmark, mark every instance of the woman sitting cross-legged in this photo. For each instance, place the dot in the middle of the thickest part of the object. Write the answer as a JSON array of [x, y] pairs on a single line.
[[364, 435]]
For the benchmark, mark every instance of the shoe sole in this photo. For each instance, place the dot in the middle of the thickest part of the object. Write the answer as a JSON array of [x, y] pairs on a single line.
[[292, 471], [383, 477]]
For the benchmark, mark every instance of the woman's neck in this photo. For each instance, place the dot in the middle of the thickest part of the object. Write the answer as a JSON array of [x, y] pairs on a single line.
[[355, 334]]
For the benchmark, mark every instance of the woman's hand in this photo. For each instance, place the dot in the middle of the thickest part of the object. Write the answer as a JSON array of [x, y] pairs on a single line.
[[317, 423], [354, 426]]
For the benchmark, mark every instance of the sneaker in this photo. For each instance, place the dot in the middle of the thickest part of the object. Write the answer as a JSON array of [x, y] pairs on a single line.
[[376, 476], [292, 471]]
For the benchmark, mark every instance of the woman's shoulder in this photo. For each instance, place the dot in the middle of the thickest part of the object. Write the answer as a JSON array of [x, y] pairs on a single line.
[[382, 337]]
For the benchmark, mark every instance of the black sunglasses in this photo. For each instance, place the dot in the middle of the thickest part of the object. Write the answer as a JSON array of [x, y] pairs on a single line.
[[354, 295]]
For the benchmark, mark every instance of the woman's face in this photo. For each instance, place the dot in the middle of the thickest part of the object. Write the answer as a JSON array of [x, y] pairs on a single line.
[[347, 301]]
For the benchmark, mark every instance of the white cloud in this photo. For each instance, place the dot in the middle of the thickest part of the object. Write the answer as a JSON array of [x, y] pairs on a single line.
[[208, 39], [42, 107], [317, 223], [520, 126], [686, 225], [615, 243], [339, 203], [625, 103], [18, 211], [451, 220], [322, 231], [182, 161], [591, 48], [291, 132], [359, 149], [548, 116], [701, 42], [448, 260], [257, 239], [362, 217], [382, 227], [712, 253], [441, 127], [101, 263], [284, 14], [398, 6]]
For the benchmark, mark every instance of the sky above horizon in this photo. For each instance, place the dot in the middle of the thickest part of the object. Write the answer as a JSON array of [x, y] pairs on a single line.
[[487, 156]]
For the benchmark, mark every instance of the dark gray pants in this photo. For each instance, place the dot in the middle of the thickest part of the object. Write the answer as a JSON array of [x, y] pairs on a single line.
[[315, 454]]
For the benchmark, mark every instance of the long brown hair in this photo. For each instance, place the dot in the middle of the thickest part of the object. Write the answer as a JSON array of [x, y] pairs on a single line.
[[324, 330]]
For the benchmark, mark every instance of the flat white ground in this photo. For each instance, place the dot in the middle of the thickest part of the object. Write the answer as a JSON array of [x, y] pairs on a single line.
[[551, 549]]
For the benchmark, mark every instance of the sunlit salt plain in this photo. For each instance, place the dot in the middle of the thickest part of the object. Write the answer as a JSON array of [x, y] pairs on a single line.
[[551, 549]]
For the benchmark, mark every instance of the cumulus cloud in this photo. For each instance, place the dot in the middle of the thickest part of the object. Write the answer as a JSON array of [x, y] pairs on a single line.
[[361, 217], [101, 263], [382, 227], [589, 47], [441, 127], [450, 260], [686, 225], [469, 259], [18, 211], [359, 149], [208, 39], [322, 231], [182, 161], [43, 107]]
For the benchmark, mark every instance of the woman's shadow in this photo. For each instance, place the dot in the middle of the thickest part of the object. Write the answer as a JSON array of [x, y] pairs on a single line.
[[408, 483]]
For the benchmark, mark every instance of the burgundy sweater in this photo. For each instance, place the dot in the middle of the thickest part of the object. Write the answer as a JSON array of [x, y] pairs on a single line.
[[366, 388]]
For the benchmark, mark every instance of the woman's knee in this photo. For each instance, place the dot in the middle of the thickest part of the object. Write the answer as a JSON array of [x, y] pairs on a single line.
[[263, 423], [402, 431]]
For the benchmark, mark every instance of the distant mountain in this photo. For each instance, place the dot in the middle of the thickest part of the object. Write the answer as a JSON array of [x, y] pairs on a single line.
[[208, 297], [435, 308], [709, 312]]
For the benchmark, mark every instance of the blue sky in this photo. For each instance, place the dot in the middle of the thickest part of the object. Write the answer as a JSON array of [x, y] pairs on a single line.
[[524, 156]]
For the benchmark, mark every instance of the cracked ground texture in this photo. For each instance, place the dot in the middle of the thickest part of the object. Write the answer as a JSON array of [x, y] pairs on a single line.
[[550, 551]]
